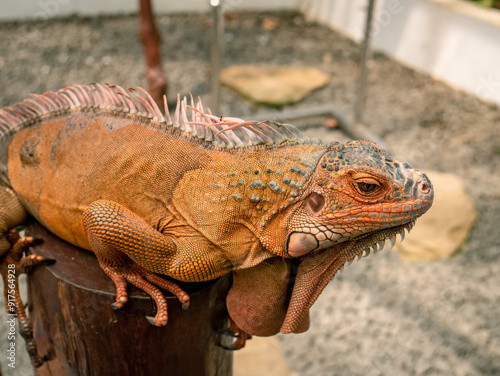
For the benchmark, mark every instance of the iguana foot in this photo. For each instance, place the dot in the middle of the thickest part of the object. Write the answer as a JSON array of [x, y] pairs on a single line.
[[235, 332], [13, 264], [146, 281]]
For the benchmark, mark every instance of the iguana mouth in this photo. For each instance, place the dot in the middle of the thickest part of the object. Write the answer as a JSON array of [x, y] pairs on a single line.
[[365, 244], [379, 239], [307, 245]]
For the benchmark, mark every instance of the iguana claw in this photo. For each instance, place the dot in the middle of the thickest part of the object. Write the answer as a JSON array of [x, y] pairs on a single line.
[[234, 332], [19, 228], [33, 260], [146, 281], [151, 320]]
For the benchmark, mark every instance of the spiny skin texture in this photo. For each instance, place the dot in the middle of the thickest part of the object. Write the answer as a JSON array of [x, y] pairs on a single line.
[[197, 198]]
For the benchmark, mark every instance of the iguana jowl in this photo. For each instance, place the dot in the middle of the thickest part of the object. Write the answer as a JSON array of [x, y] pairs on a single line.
[[197, 198]]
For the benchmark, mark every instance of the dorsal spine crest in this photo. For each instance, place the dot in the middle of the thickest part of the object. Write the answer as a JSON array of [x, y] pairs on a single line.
[[222, 132]]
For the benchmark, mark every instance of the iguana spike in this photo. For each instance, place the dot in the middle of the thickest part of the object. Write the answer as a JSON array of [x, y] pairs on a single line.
[[79, 93], [184, 119], [84, 89], [104, 101], [110, 97], [177, 109], [127, 105], [192, 106], [57, 99], [41, 108], [18, 114], [46, 101], [7, 115], [30, 111], [203, 110], [148, 110], [133, 107], [142, 106], [202, 131], [167, 112], [72, 97], [246, 125], [3, 127], [204, 115], [156, 111], [94, 96]]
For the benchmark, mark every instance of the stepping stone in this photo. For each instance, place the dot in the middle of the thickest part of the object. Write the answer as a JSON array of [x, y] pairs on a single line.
[[440, 232], [273, 85], [261, 356]]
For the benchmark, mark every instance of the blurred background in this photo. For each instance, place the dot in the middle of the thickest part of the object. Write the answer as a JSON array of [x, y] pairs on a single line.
[[424, 82]]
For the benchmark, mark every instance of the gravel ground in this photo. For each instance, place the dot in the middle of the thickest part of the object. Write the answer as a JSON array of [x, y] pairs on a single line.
[[381, 316]]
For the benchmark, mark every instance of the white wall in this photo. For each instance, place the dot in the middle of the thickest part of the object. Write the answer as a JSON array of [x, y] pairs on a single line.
[[453, 40]]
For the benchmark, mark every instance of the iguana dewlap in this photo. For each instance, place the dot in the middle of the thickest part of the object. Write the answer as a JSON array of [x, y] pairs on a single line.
[[197, 198]]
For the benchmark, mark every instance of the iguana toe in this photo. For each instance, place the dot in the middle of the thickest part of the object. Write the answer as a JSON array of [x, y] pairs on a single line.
[[13, 263]]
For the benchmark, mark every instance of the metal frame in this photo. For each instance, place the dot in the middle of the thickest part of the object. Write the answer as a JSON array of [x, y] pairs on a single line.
[[217, 53]]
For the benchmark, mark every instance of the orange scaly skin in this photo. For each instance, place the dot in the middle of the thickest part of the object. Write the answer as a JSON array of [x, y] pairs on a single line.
[[197, 198]]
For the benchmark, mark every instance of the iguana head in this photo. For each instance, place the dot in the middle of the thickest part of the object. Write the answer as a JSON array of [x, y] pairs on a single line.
[[358, 192], [356, 198]]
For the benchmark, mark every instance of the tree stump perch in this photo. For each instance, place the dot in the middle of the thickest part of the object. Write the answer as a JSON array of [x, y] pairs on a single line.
[[70, 308]]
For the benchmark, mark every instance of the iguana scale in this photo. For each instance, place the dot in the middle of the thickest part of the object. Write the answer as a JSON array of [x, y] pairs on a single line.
[[196, 198]]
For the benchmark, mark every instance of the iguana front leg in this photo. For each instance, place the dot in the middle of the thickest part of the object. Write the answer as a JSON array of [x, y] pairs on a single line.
[[12, 264], [130, 250]]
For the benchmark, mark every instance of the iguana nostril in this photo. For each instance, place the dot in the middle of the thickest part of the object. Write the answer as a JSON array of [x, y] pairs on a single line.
[[424, 186]]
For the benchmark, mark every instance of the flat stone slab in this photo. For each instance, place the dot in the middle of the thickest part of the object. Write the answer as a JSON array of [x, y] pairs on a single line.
[[261, 356], [441, 231], [273, 85]]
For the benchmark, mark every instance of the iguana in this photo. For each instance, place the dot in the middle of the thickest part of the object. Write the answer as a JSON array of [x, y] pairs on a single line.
[[196, 198]]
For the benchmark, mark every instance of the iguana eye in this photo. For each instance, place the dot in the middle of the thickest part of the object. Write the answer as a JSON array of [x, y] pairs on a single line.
[[367, 186]]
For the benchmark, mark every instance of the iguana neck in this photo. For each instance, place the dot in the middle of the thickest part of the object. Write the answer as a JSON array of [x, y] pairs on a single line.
[[248, 190]]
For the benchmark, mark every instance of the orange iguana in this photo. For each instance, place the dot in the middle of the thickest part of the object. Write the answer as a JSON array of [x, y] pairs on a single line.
[[196, 198]]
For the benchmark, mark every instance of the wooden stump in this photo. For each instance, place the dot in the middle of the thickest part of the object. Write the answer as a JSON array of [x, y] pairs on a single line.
[[70, 307]]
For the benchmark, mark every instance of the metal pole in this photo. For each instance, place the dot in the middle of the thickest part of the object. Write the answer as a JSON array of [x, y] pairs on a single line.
[[345, 126], [360, 91], [217, 51]]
